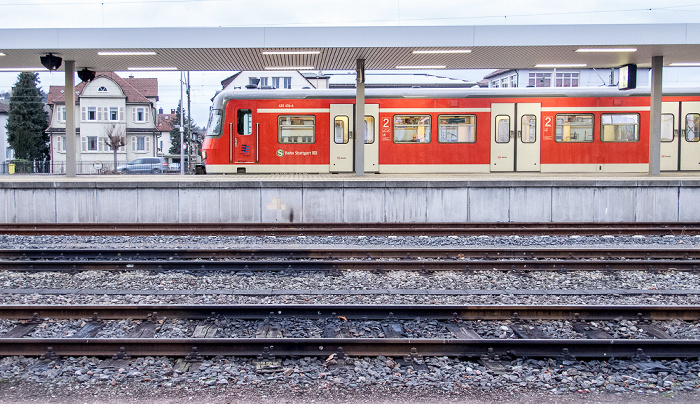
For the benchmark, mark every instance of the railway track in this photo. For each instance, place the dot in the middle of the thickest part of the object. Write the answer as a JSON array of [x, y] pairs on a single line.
[[332, 260], [351, 229], [338, 340]]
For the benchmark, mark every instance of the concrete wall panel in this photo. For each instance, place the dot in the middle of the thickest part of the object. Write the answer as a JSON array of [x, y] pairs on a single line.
[[323, 205], [657, 204], [116, 205], [239, 205], [614, 204], [689, 205], [158, 205], [405, 205], [489, 204], [281, 205], [198, 205], [573, 204], [35, 205], [363, 205], [447, 205], [531, 204], [76, 205]]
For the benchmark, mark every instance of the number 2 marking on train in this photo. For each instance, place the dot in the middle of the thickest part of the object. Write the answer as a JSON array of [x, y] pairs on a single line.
[[547, 121], [386, 123]]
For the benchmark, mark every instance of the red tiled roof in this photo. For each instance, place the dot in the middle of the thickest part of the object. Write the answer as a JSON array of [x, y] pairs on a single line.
[[135, 90], [164, 122]]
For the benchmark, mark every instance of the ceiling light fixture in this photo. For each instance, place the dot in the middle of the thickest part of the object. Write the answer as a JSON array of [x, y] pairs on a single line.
[[291, 52], [685, 64], [151, 68], [126, 53], [606, 50], [2, 54], [421, 67], [562, 65], [422, 52], [23, 69], [289, 68]]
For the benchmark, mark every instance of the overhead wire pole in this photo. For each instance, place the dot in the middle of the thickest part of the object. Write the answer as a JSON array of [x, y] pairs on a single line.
[[182, 128], [360, 120], [71, 158], [189, 119], [657, 65]]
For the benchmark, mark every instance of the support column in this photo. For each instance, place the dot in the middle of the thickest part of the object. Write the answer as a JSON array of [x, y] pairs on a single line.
[[69, 92], [360, 120], [657, 65]]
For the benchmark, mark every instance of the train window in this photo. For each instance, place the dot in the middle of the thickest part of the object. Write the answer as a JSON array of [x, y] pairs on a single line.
[[369, 129], [574, 128], [296, 129], [457, 128], [528, 129], [214, 125], [667, 124], [619, 127], [502, 129], [692, 126], [341, 130], [412, 129], [245, 122]]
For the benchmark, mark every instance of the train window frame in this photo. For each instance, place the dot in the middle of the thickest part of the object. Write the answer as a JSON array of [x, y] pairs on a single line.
[[612, 115], [558, 135], [214, 126], [408, 125], [523, 126], [496, 123], [346, 132], [241, 127], [369, 129], [696, 125], [441, 125], [286, 122], [673, 127]]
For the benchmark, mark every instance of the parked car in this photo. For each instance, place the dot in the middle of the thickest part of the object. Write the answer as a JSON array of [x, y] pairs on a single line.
[[155, 165], [174, 167]]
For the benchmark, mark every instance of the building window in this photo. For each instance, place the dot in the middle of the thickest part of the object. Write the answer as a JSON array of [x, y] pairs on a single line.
[[61, 114], [102, 89], [90, 143], [114, 114], [263, 81], [61, 144], [140, 143], [296, 129], [567, 80], [412, 129], [574, 128], [495, 83], [287, 82], [140, 114], [91, 113], [540, 80], [457, 128], [514, 80]]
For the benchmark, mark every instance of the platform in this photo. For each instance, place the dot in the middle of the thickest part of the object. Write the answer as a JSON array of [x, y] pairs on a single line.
[[309, 198]]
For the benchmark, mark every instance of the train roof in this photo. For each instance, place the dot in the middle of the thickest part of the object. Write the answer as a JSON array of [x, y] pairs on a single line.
[[377, 93]]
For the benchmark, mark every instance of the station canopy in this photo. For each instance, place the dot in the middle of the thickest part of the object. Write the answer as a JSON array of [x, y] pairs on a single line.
[[338, 48]]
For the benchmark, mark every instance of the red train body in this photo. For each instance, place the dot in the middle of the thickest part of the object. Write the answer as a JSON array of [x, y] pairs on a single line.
[[449, 131]]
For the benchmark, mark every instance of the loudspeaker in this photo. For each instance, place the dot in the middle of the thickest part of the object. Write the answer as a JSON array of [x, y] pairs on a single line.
[[86, 75], [51, 62]]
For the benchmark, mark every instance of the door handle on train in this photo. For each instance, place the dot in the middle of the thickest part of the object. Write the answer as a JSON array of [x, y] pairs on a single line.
[[350, 135], [520, 134], [235, 142], [512, 134]]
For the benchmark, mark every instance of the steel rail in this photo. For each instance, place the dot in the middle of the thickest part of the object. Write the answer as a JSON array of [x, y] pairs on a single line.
[[356, 312], [440, 253], [325, 347], [331, 266], [355, 229]]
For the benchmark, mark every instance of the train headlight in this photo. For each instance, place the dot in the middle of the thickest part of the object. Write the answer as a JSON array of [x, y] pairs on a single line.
[[204, 154]]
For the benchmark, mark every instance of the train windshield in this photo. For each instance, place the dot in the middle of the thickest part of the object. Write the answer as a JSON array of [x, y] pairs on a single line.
[[214, 125]]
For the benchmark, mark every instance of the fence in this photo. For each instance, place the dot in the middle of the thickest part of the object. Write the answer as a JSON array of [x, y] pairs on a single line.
[[59, 167]]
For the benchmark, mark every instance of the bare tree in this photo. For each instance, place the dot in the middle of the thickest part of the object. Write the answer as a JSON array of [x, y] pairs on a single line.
[[114, 139]]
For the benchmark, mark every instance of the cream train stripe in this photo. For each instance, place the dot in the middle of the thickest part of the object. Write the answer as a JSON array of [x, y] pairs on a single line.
[[445, 110], [293, 110], [594, 109]]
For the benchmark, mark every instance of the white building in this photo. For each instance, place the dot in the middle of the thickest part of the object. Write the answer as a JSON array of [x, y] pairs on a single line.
[[559, 78], [287, 79], [6, 152], [107, 104]]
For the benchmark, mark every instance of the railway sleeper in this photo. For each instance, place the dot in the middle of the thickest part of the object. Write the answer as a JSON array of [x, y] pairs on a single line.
[[462, 331], [25, 328], [645, 364]]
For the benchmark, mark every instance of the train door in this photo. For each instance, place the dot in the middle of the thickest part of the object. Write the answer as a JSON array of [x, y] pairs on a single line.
[[243, 138], [690, 136], [669, 136], [502, 137], [527, 142], [342, 147]]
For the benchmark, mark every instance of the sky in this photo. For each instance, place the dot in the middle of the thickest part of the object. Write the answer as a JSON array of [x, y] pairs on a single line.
[[264, 13]]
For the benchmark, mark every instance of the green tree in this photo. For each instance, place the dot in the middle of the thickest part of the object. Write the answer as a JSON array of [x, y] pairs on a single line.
[[27, 120], [190, 131]]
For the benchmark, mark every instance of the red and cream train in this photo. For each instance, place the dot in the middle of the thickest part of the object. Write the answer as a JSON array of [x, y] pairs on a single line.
[[449, 131]]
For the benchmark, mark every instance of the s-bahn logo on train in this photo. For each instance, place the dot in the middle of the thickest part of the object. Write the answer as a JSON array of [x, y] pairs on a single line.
[[245, 149]]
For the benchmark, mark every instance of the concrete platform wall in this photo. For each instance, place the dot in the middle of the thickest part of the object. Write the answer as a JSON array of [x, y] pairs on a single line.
[[350, 201]]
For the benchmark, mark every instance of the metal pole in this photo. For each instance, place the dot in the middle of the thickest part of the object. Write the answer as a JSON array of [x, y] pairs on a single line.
[[70, 119], [189, 119], [360, 120], [182, 129], [657, 65]]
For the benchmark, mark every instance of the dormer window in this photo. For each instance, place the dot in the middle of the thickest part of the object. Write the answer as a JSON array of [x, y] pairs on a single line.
[[102, 89]]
